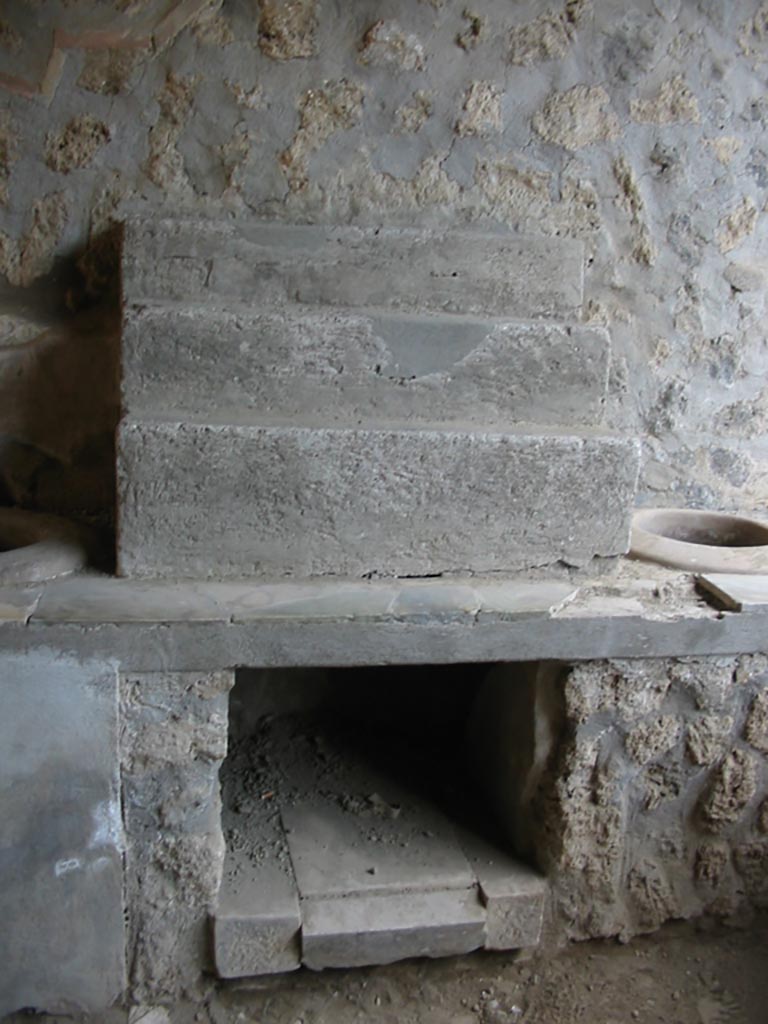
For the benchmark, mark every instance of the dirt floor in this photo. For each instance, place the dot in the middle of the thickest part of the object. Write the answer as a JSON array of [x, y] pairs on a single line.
[[685, 974]]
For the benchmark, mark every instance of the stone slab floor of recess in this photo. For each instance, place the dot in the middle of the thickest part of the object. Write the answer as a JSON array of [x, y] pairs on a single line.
[[687, 973], [379, 871]]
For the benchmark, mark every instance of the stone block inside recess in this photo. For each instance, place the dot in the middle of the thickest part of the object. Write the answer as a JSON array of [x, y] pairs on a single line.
[[270, 264], [206, 500], [512, 893], [62, 942], [355, 931], [256, 925], [335, 852], [512, 733], [336, 367]]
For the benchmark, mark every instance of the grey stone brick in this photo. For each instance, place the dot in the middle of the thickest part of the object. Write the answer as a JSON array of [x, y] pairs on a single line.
[[346, 367], [354, 931], [270, 264], [512, 893], [256, 926], [224, 500]]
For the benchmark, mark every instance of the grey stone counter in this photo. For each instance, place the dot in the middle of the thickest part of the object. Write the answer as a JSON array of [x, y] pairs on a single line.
[[130, 681], [639, 611]]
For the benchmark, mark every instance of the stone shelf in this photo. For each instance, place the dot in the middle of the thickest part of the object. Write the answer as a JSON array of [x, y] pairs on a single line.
[[639, 611]]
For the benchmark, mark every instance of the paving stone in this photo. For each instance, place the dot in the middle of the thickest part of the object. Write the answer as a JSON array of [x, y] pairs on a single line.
[[513, 598], [315, 599], [270, 264], [227, 500], [341, 367], [736, 592], [101, 599], [355, 931], [256, 925], [335, 852], [596, 606], [513, 895], [113, 600], [423, 600]]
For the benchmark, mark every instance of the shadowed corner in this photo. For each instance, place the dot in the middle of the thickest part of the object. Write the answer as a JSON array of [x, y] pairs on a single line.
[[59, 389]]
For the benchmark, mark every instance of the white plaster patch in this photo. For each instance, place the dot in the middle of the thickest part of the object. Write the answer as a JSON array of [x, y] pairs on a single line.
[[107, 826], [64, 867]]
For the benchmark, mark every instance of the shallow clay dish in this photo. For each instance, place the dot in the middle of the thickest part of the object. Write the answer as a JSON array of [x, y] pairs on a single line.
[[36, 547], [699, 541]]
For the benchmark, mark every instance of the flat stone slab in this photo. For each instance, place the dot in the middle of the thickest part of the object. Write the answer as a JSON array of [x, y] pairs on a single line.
[[206, 500], [256, 925], [271, 264], [338, 853], [510, 599], [356, 931], [341, 367], [62, 942], [403, 599], [734, 591], [664, 618], [100, 599]]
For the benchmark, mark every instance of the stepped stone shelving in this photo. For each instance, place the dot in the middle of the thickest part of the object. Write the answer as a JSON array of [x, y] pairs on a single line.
[[340, 401]]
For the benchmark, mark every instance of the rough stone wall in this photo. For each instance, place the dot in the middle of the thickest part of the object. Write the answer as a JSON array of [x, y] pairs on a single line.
[[173, 739], [655, 805], [640, 129]]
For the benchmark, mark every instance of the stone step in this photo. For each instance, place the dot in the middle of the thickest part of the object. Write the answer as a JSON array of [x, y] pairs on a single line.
[[345, 367], [268, 264], [229, 500], [512, 893], [338, 853], [356, 931], [257, 922]]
